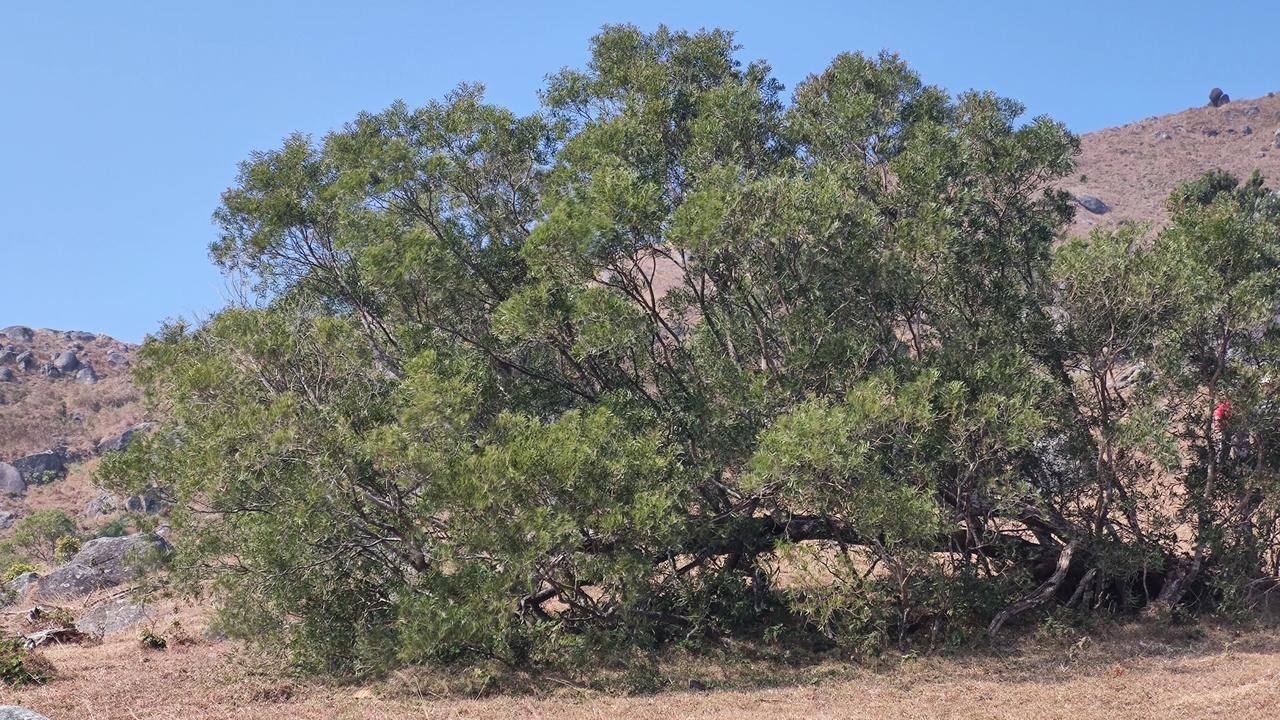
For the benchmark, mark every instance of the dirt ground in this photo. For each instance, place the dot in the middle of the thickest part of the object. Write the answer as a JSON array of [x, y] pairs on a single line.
[[1117, 672]]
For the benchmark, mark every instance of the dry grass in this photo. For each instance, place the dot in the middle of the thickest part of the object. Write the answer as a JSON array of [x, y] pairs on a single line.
[[1121, 672]]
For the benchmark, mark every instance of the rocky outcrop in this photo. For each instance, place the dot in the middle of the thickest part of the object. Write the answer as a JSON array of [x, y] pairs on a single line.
[[11, 480], [21, 333], [66, 361], [1092, 204], [113, 616], [102, 563], [117, 443], [16, 712], [42, 467], [1217, 98], [86, 376]]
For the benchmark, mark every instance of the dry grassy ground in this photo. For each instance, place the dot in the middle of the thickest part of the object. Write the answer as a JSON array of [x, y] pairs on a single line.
[[1120, 672]]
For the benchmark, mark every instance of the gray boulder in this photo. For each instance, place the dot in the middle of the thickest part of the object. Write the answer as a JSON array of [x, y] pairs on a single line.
[[117, 443], [42, 467], [8, 355], [111, 617], [101, 506], [7, 519], [16, 589], [80, 335], [21, 333], [100, 564], [16, 712], [48, 370], [1092, 204], [6, 375], [66, 361], [117, 359], [148, 503], [86, 375], [25, 361], [11, 481], [1217, 98]]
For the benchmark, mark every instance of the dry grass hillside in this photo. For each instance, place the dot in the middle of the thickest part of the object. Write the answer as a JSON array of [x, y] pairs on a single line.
[[39, 413], [1132, 168]]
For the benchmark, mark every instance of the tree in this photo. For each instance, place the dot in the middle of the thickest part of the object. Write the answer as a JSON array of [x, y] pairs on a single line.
[[604, 375]]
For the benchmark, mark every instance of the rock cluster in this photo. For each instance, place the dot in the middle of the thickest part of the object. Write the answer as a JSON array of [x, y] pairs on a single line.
[[1217, 98]]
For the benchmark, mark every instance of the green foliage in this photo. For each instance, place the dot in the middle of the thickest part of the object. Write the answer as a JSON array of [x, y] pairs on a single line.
[[37, 534], [674, 358], [19, 667], [65, 547], [16, 569], [150, 640]]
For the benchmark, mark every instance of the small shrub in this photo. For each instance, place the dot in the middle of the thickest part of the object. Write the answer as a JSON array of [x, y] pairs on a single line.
[[19, 667], [152, 640], [116, 527], [16, 569], [65, 547]]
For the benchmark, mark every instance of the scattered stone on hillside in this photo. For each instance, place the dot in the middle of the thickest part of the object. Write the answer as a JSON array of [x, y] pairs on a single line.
[[117, 359], [8, 355], [1092, 204], [86, 376], [1251, 111], [148, 503], [48, 370], [113, 616], [1211, 132], [7, 519], [25, 361], [1277, 140], [102, 563], [17, 712], [80, 335], [1162, 135], [11, 481], [101, 506], [66, 361], [20, 333], [1247, 130], [116, 443], [6, 375], [42, 467], [1217, 98]]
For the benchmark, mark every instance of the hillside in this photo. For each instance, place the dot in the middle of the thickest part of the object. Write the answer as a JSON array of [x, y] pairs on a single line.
[[1133, 167]]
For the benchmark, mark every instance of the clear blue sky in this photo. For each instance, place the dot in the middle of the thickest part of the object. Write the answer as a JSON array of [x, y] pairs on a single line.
[[121, 122]]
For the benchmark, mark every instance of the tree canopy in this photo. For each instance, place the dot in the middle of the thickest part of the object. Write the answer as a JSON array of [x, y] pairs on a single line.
[[675, 357]]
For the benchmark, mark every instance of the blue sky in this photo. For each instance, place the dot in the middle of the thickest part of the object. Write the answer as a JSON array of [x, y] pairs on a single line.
[[122, 122]]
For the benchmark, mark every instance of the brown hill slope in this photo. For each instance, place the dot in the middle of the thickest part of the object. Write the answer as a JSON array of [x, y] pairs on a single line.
[[39, 412], [1132, 168]]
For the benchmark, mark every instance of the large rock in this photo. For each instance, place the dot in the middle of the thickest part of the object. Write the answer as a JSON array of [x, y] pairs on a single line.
[[113, 616], [20, 333], [1217, 98], [15, 712], [42, 467], [66, 361], [25, 361], [1092, 204], [86, 375], [8, 355], [117, 359], [117, 443], [16, 589], [100, 564], [6, 375], [11, 480], [80, 335]]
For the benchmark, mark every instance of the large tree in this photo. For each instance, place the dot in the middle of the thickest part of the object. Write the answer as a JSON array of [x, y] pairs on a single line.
[[674, 356]]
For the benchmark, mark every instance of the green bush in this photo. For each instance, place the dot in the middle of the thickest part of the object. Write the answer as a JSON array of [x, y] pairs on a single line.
[[19, 666], [16, 569]]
